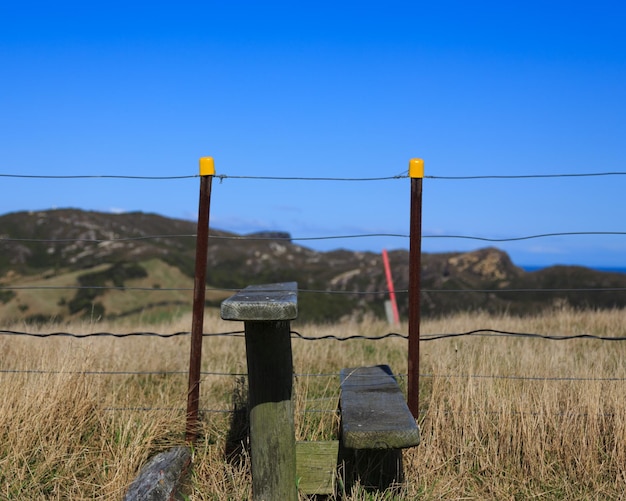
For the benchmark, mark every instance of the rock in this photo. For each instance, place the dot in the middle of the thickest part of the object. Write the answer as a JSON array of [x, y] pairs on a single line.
[[271, 235], [159, 479]]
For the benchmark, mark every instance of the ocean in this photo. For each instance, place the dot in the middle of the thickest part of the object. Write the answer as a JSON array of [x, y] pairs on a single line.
[[597, 268]]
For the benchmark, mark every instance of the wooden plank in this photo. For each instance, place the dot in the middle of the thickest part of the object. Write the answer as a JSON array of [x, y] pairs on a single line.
[[316, 466], [263, 302], [374, 414]]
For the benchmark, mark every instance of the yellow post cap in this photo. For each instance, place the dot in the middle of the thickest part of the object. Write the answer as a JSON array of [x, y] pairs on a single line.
[[207, 166], [416, 167]]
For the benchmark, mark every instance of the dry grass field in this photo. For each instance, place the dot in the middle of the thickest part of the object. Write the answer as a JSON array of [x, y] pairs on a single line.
[[502, 418]]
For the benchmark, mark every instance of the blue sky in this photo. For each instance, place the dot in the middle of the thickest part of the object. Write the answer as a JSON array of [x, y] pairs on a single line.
[[327, 89]]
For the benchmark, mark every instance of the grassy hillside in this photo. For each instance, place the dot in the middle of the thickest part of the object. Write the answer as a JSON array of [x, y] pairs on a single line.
[[40, 252], [501, 418], [149, 291]]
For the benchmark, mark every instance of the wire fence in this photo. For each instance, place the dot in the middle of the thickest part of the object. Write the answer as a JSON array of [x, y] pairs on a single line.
[[296, 335], [402, 175]]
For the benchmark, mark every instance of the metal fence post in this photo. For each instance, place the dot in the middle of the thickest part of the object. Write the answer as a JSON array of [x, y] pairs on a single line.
[[207, 170], [416, 173]]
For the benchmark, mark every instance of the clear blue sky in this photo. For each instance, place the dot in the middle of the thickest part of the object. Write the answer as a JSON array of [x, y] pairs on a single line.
[[341, 89]]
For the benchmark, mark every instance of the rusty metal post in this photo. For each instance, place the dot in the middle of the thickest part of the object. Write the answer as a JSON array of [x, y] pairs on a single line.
[[416, 173], [207, 171]]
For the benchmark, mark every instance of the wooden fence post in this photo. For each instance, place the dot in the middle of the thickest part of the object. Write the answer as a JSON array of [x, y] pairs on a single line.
[[266, 311]]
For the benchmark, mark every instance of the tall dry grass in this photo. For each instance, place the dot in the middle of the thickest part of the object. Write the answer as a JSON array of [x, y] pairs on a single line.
[[502, 418]]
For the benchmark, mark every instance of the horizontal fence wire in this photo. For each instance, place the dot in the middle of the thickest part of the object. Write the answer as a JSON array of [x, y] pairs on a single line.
[[101, 287], [500, 333], [528, 176], [221, 177], [403, 175], [422, 412], [406, 236], [155, 373], [485, 332], [205, 411], [312, 291], [530, 237], [299, 239], [98, 240], [166, 409], [521, 378], [512, 377], [116, 335], [96, 176]]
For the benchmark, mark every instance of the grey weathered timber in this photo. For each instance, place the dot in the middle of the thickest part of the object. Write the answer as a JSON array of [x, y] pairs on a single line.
[[159, 479], [376, 424], [374, 414], [269, 302], [266, 311]]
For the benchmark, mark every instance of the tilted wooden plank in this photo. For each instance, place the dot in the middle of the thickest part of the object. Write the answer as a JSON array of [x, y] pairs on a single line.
[[374, 414], [269, 302]]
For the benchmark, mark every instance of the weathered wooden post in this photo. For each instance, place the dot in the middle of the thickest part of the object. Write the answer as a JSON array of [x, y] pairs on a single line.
[[266, 311]]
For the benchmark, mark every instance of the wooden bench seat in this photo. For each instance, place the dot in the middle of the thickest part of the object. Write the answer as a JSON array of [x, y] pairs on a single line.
[[376, 424], [374, 413]]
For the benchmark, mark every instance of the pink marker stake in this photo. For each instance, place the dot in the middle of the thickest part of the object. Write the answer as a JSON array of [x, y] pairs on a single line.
[[392, 292]]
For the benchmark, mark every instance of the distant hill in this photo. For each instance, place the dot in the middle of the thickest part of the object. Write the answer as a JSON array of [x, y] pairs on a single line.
[[60, 264]]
